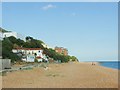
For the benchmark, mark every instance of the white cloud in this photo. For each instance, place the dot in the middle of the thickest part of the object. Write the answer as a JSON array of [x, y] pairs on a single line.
[[49, 6]]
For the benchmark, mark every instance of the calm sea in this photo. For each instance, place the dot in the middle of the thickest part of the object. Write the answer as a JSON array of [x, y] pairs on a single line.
[[111, 64]]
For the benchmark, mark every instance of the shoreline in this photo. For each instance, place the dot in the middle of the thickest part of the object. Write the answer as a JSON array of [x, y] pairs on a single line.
[[99, 63]]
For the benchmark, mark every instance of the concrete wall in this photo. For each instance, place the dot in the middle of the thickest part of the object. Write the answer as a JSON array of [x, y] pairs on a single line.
[[5, 63]]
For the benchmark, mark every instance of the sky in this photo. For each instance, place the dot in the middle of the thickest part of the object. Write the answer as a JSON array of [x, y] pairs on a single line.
[[60, 0], [88, 30]]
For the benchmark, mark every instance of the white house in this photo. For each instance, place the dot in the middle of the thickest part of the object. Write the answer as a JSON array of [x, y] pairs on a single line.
[[29, 54], [8, 34], [15, 34]]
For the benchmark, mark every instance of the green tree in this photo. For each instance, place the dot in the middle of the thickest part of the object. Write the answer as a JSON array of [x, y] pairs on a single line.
[[12, 39], [6, 43], [28, 38], [20, 42], [7, 46]]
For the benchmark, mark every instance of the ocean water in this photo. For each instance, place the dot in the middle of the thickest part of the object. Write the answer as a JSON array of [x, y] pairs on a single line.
[[111, 64]]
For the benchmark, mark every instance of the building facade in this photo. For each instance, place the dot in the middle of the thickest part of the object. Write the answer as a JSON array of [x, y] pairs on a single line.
[[61, 50], [30, 54]]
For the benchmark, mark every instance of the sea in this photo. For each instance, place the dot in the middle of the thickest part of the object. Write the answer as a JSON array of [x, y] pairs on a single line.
[[111, 64]]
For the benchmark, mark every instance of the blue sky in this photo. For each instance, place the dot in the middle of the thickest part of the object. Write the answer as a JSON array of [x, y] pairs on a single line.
[[88, 30]]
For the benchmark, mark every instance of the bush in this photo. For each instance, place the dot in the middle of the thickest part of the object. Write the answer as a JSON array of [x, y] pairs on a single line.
[[36, 60]]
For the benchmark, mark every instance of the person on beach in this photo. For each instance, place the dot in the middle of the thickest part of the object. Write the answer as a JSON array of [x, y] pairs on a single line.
[[92, 63]]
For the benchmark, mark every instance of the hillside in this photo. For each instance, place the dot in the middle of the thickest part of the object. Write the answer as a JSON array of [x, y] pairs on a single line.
[[9, 43]]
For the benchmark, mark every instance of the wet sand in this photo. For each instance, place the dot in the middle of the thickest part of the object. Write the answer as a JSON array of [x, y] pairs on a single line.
[[68, 75]]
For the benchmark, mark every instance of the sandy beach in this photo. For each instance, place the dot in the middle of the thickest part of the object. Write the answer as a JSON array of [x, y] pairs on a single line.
[[67, 75]]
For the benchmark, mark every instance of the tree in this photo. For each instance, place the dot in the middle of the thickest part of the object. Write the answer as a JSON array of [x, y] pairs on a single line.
[[15, 46], [7, 46], [56, 56], [20, 42], [73, 58], [28, 38], [12, 39], [26, 45], [33, 43]]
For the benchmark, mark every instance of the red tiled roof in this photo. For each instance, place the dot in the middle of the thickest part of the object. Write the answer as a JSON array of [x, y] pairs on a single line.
[[38, 57]]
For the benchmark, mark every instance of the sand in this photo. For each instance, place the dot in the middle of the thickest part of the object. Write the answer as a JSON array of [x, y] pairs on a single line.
[[68, 75]]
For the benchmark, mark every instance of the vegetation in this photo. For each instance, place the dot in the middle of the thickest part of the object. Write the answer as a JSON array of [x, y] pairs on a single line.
[[11, 42], [7, 46], [56, 56]]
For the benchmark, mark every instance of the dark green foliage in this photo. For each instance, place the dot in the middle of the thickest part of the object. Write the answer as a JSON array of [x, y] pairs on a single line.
[[12, 39], [7, 50], [27, 45], [20, 42], [7, 44], [33, 43], [63, 58], [73, 58], [28, 38]]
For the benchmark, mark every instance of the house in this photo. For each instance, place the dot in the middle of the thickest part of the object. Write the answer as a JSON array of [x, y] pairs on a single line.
[[61, 50], [30, 54], [10, 33]]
